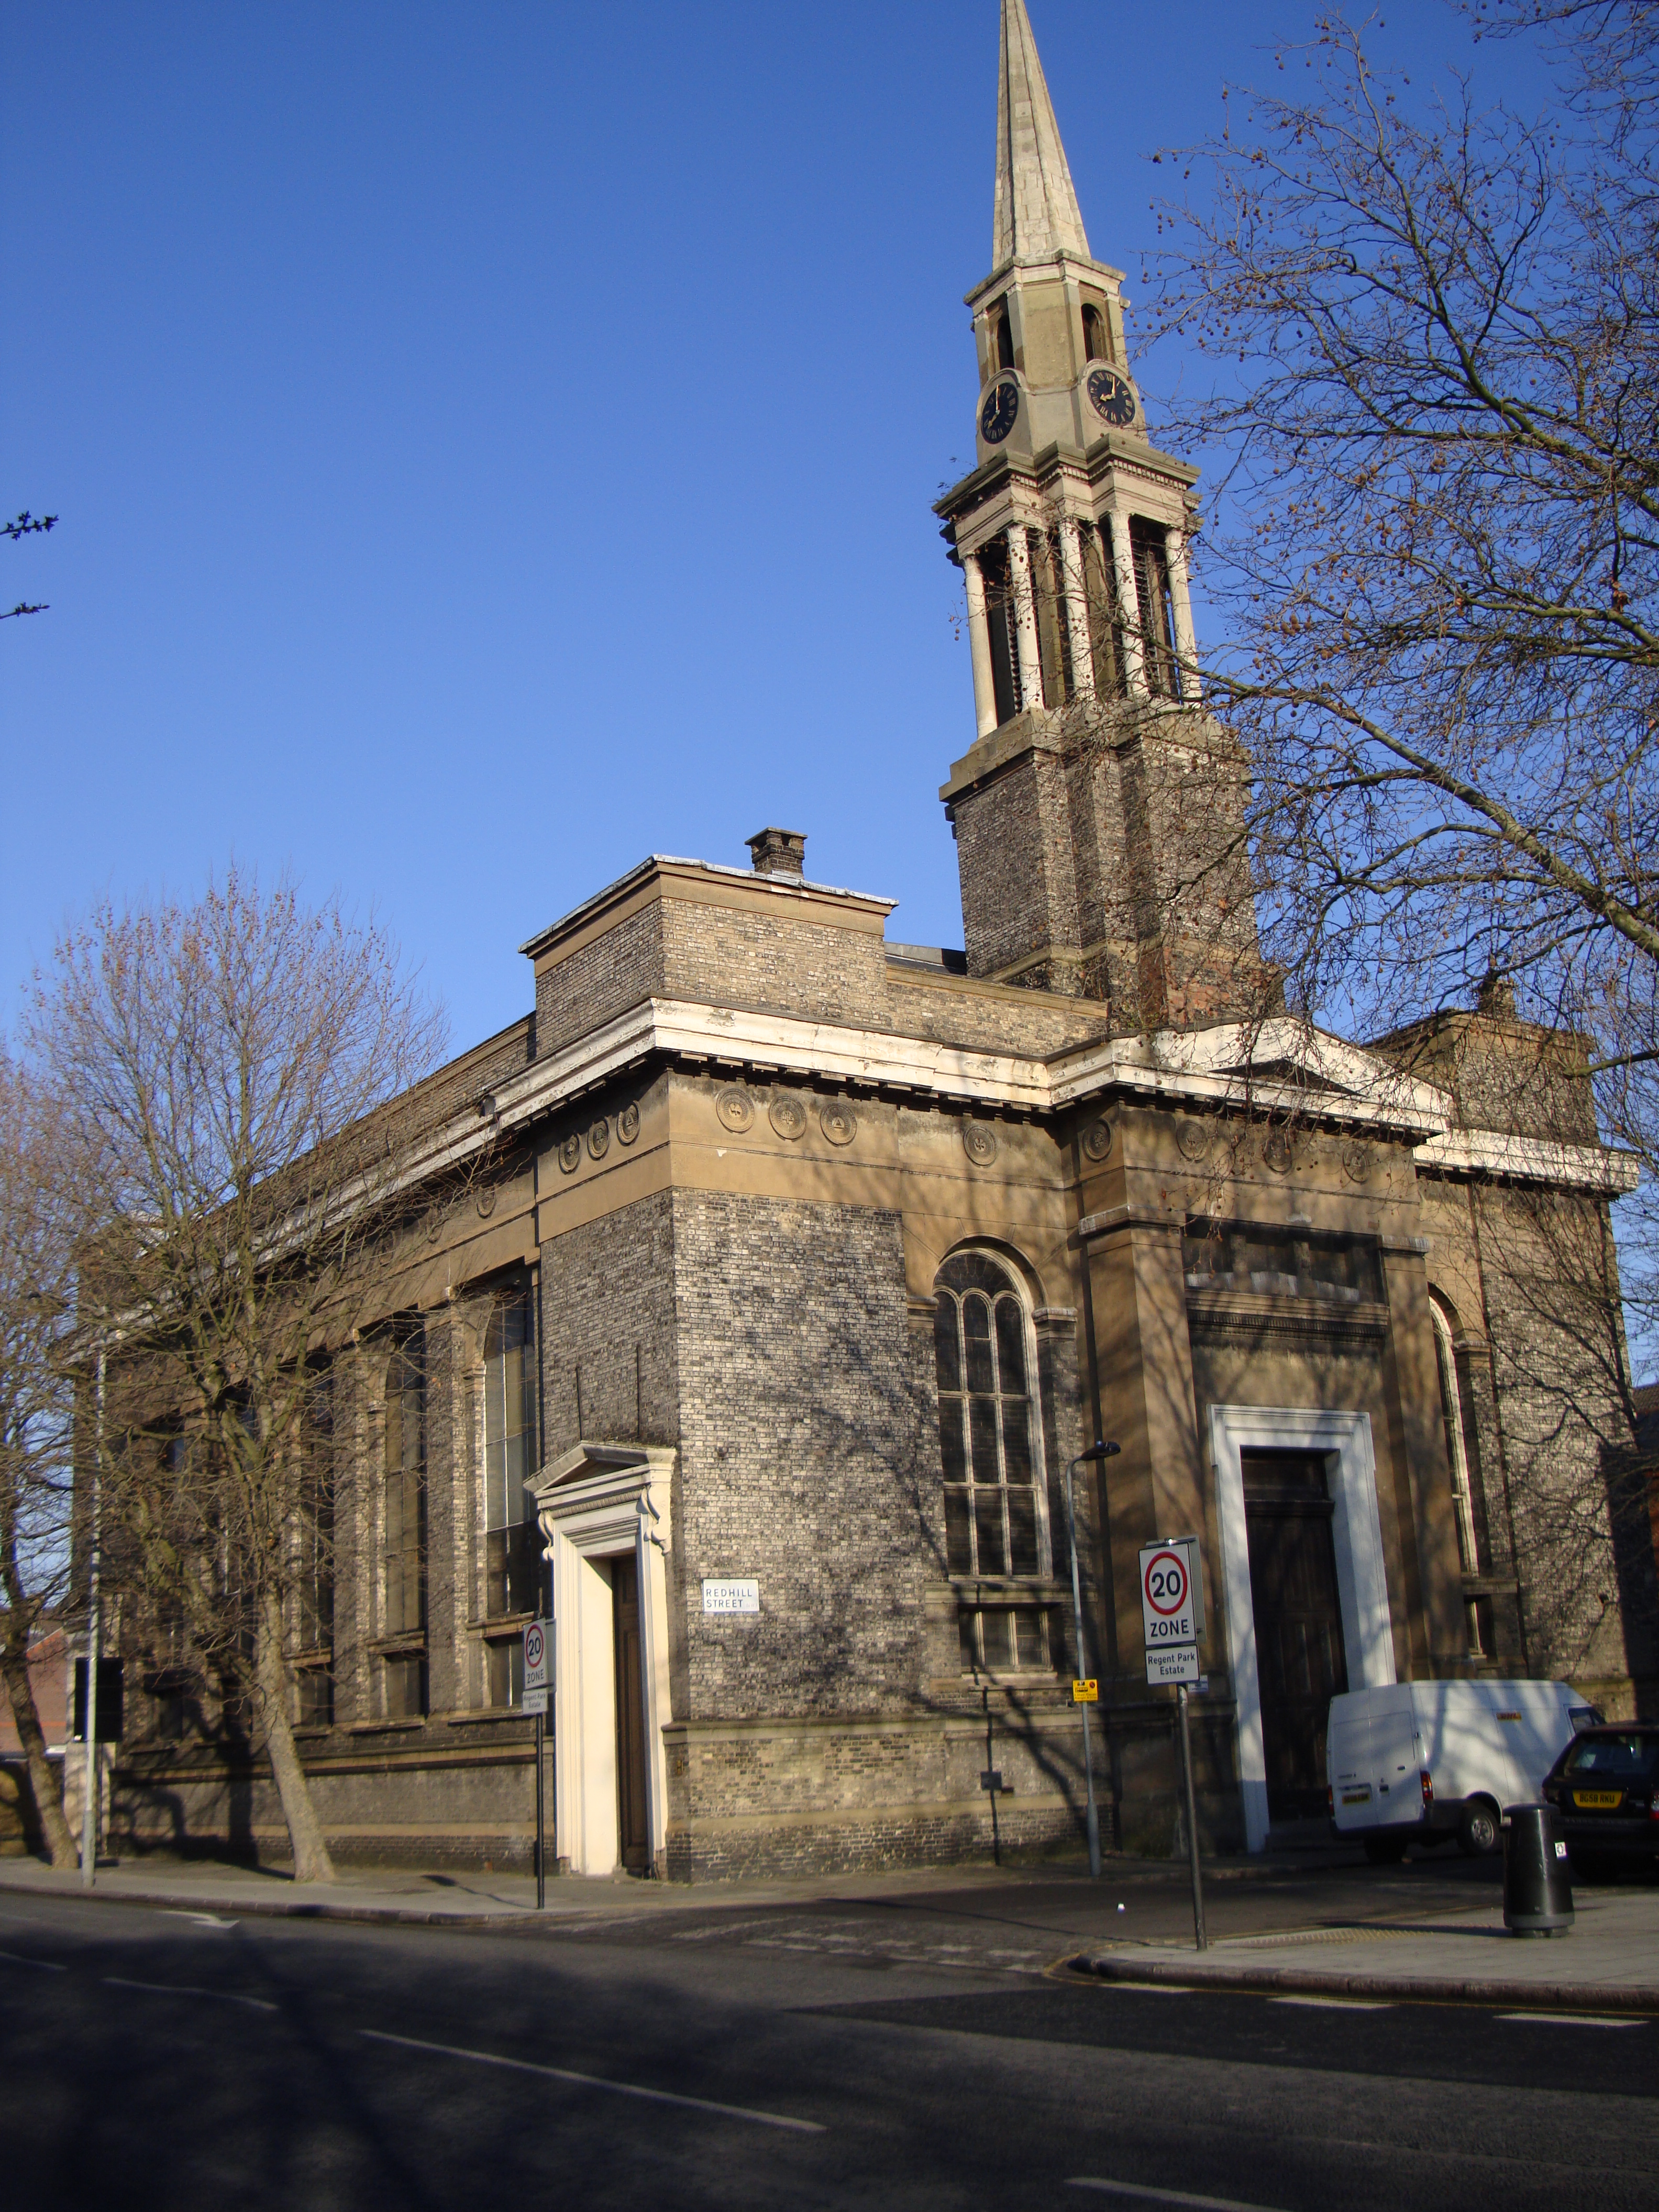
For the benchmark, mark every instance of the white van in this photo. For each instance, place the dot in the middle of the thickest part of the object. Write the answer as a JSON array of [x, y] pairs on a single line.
[[1420, 1761]]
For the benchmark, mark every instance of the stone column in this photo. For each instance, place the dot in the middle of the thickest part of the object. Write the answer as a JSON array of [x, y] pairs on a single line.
[[1128, 600], [1186, 642], [1076, 610], [979, 646], [1026, 629]]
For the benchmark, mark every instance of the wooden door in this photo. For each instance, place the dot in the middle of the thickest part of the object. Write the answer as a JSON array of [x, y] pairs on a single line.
[[1301, 1663], [633, 1834]]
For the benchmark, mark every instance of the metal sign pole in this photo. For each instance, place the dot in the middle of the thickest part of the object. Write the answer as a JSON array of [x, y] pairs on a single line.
[[1095, 1451], [1202, 1939], [541, 1831]]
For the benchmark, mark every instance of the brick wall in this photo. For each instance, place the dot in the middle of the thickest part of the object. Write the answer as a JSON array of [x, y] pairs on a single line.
[[798, 1456]]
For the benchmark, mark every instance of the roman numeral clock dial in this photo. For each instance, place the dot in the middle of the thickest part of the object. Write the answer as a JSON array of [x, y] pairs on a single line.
[[1110, 397], [996, 416]]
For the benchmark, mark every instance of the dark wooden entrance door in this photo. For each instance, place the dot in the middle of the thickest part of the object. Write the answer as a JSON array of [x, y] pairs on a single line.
[[632, 1832], [1301, 1664]]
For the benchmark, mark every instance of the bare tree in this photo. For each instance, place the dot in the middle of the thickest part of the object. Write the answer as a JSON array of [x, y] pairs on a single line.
[[26, 525], [237, 1077], [1433, 542], [36, 1415]]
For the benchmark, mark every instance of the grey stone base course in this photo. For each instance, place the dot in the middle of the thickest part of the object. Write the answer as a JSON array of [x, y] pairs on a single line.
[[865, 1841]]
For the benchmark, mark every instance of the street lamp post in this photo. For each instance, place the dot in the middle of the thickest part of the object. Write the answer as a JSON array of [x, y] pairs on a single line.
[[1096, 1451]]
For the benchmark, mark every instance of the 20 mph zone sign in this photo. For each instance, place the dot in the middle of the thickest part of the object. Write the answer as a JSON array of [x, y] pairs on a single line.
[[1170, 1602]]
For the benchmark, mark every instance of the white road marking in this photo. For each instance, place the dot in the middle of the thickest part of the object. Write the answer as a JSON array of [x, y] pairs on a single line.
[[202, 1919], [1341, 2004], [1163, 2196], [600, 2081], [1573, 2019], [46, 1967], [1153, 1988], [183, 1990]]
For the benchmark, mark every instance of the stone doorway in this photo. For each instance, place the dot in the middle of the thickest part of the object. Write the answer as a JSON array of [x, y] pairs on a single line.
[[1296, 1606]]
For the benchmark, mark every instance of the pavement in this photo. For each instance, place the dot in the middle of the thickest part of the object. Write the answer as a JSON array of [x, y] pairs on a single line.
[[1280, 1927], [1606, 1962]]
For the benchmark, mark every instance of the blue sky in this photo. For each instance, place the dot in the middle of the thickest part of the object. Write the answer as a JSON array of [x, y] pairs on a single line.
[[494, 441]]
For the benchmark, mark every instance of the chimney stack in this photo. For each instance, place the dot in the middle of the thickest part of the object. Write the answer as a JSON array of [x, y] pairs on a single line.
[[779, 852]]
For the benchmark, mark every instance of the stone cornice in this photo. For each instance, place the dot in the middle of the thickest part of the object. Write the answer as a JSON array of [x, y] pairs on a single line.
[[1338, 1086]]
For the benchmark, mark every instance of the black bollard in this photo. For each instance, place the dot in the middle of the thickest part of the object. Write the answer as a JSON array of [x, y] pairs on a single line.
[[1537, 1892]]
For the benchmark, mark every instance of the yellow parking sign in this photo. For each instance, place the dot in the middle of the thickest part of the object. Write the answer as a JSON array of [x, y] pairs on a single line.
[[1086, 1692]]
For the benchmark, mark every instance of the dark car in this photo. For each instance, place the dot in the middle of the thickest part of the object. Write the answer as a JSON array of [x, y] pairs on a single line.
[[1605, 1790]]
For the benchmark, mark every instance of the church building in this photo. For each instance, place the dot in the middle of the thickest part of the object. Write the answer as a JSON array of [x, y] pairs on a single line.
[[801, 1265]]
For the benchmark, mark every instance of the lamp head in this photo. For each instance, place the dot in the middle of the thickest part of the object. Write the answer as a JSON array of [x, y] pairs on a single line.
[[1099, 1450]]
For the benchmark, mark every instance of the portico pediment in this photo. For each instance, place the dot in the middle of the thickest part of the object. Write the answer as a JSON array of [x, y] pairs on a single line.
[[595, 1495]]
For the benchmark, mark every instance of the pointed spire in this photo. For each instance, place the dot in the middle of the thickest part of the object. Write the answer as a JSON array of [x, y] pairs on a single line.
[[1037, 212]]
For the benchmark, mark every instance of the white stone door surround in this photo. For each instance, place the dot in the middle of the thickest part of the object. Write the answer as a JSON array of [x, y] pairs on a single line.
[[596, 1502], [1361, 1581]]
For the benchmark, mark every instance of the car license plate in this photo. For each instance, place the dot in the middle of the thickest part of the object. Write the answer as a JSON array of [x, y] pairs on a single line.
[[1357, 1797], [1599, 1801]]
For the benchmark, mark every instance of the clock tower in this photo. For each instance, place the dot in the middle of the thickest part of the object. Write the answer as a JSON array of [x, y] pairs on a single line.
[[1099, 814]]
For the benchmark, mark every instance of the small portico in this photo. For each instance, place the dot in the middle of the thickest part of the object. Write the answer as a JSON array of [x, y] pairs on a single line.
[[604, 1512]]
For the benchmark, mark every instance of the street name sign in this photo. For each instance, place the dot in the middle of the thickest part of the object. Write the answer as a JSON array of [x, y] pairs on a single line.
[[1171, 1604], [1172, 1663], [732, 1594]]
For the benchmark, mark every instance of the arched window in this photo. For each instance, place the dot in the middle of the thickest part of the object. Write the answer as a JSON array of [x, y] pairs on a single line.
[[1454, 1412], [403, 1527], [1149, 552], [1005, 330], [513, 1565], [991, 1448], [1094, 335]]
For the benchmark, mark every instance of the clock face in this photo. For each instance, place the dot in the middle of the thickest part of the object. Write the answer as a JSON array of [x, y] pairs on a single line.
[[996, 416], [1111, 398]]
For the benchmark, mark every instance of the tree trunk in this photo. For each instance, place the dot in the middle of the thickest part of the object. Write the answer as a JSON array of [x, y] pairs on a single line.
[[45, 1787], [311, 1859]]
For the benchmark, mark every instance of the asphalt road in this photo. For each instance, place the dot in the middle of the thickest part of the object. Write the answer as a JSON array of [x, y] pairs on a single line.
[[843, 2054]]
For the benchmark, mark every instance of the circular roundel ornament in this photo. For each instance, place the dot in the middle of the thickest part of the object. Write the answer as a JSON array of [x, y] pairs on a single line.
[[627, 1124], [598, 1141], [1276, 1150], [999, 411], [838, 1123], [1112, 398], [570, 1153], [1193, 1138], [789, 1117], [1357, 1162], [979, 1142], [734, 1110], [1098, 1139]]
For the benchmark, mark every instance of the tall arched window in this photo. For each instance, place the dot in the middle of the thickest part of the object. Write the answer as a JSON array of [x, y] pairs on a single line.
[[1005, 330], [1094, 335], [991, 1448], [404, 1529], [512, 1561], [1455, 1414]]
